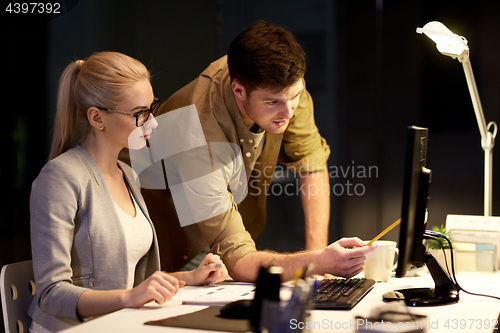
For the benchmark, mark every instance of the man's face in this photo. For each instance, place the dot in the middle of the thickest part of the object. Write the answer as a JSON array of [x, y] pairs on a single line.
[[271, 110]]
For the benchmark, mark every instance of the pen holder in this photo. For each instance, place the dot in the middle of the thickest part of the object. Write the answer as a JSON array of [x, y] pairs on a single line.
[[282, 317], [267, 289], [270, 316]]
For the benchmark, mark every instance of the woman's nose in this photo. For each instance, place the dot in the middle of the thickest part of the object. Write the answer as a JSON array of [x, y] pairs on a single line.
[[151, 122]]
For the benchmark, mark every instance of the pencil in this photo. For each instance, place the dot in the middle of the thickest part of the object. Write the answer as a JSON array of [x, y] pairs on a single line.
[[389, 228]]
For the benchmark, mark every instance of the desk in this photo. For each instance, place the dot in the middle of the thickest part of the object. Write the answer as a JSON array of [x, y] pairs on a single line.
[[472, 309]]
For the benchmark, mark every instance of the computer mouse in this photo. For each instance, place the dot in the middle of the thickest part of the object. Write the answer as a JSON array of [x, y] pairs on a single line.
[[393, 296], [237, 310]]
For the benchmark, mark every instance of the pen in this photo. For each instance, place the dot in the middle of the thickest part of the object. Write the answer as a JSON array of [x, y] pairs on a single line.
[[389, 228]]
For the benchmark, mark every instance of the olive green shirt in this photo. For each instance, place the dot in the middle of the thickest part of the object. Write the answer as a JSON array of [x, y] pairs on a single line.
[[231, 234]]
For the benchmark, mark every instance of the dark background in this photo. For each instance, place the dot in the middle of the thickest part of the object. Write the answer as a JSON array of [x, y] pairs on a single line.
[[370, 74]]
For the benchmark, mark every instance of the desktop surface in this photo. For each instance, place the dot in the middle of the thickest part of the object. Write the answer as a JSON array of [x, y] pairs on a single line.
[[470, 314]]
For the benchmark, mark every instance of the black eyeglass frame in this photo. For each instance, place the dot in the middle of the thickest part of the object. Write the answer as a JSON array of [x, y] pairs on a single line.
[[152, 110]]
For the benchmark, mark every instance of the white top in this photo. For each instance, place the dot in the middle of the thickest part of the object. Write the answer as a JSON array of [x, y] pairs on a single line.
[[138, 238]]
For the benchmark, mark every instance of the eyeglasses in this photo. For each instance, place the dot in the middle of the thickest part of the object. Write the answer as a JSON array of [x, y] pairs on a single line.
[[141, 116]]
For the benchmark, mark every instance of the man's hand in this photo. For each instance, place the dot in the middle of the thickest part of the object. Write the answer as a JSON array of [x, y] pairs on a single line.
[[346, 257]]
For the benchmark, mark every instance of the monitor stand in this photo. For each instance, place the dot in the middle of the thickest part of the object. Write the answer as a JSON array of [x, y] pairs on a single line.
[[444, 291]]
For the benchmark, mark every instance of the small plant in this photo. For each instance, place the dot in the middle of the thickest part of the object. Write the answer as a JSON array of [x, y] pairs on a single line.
[[435, 243]]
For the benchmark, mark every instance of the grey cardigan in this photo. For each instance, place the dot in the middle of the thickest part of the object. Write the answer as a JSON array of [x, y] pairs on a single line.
[[77, 239]]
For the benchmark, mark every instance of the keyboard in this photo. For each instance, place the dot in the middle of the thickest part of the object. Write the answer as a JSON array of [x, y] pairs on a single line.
[[341, 293]]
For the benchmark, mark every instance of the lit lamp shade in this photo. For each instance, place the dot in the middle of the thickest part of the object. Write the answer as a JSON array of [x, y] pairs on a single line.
[[446, 41]]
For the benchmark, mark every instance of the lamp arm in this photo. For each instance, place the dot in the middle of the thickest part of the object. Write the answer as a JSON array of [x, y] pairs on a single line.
[[476, 102], [487, 137]]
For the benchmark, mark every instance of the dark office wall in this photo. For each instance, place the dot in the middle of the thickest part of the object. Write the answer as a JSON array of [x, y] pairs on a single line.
[[369, 73], [380, 93], [176, 40]]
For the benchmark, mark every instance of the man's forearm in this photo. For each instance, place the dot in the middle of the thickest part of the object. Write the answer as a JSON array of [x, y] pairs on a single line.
[[247, 268], [315, 194], [344, 258]]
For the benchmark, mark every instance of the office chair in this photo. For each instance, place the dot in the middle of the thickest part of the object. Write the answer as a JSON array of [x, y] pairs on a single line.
[[17, 288]]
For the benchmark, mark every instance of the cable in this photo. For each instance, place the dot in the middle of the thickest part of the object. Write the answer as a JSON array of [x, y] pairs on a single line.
[[452, 273], [437, 236]]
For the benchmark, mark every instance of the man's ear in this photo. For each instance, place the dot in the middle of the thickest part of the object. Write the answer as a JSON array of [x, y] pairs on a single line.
[[95, 118], [238, 90]]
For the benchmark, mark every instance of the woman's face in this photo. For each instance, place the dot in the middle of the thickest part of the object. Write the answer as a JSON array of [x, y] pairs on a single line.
[[122, 129]]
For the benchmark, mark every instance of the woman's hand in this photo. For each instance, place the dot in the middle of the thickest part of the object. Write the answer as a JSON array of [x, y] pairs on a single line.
[[211, 270], [159, 287]]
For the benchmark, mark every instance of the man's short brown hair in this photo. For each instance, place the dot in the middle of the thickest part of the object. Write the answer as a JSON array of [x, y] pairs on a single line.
[[266, 56]]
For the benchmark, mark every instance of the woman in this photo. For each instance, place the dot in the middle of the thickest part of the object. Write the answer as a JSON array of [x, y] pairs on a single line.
[[94, 246]]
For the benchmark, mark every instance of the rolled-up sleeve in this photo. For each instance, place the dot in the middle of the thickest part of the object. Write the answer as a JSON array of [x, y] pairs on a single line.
[[229, 238]]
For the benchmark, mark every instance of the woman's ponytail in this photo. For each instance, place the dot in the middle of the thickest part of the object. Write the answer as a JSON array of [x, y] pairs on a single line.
[[65, 125]]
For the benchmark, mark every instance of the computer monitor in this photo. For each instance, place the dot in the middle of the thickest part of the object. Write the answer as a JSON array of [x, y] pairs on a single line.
[[412, 241], [416, 183]]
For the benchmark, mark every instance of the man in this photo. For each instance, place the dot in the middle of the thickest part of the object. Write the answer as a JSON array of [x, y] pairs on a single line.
[[253, 99]]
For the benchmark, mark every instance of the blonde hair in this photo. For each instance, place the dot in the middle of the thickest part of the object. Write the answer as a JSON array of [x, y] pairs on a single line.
[[101, 80]]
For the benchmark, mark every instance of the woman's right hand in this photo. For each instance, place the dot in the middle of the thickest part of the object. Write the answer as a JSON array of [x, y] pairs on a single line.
[[159, 287]]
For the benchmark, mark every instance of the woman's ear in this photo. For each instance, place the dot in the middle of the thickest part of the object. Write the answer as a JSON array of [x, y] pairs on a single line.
[[95, 118]]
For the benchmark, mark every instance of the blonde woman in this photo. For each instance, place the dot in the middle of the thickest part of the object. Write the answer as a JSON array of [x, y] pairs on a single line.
[[94, 246]]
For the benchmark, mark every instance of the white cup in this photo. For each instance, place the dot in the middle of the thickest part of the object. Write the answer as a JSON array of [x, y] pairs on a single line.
[[381, 261]]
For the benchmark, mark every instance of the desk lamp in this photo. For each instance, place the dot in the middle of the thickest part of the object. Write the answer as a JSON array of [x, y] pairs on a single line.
[[456, 47]]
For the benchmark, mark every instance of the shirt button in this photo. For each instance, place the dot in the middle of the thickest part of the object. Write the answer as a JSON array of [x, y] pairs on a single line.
[[251, 141], [242, 140], [248, 154]]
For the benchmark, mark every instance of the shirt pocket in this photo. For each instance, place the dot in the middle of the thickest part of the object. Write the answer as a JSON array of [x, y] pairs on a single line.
[[86, 281]]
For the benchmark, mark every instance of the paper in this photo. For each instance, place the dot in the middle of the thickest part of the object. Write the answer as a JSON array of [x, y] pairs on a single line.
[[217, 295]]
